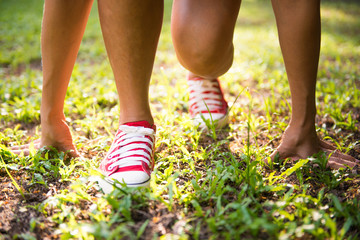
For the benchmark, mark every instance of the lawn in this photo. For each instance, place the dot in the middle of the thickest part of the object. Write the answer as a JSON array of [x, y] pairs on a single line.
[[206, 185]]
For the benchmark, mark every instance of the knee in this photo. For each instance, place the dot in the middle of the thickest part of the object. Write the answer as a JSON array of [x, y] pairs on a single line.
[[205, 53]]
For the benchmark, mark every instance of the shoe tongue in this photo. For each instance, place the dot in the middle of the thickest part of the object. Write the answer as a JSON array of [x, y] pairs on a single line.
[[144, 124]]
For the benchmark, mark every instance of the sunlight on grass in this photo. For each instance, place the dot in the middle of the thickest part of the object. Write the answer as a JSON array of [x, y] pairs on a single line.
[[201, 188]]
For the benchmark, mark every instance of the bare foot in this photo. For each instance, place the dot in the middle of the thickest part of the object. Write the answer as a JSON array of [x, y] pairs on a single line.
[[299, 145], [55, 134]]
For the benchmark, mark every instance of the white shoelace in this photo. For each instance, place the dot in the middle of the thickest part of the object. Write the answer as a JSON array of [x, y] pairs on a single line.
[[132, 145], [205, 95]]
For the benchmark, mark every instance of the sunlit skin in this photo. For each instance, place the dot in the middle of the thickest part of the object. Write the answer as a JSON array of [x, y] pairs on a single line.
[[202, 33], [131, 30]]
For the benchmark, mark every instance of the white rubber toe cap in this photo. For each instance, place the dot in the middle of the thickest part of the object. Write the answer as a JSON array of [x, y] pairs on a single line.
[[220, 119], [130, 178]]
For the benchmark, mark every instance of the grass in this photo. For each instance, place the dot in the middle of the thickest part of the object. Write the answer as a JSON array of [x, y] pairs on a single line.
[[205, 186]]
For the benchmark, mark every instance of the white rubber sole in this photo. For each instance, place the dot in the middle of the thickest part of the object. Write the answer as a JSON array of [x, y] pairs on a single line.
[[108, 185], [218, 122]]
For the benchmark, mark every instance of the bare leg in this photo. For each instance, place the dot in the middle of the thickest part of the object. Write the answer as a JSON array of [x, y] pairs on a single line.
[[298, 25], [131, 30], [62, 30], [202, 33]]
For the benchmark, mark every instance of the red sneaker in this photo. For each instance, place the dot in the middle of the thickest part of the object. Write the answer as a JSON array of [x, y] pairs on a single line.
[[130, 159], [207, 102]]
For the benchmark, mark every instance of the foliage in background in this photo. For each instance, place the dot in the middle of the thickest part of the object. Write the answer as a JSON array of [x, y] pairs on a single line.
[[206, 185]]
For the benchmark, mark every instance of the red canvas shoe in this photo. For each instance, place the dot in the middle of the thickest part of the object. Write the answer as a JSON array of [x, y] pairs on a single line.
[[130, 159], [207, 103]]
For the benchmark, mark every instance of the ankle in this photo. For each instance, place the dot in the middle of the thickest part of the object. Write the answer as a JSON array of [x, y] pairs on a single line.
[[193, 76], [51, 117], [301, 131], [129, 119], [306, 126]]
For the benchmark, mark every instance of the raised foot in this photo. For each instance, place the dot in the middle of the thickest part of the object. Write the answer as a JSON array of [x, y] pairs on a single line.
[[206, 102]]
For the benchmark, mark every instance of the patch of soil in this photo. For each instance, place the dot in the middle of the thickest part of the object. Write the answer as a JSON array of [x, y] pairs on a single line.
[[34, 64], [18, 213]]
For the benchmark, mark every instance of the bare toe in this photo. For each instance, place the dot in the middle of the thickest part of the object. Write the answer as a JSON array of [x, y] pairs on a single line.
[[336, 155], [25, 152], [337, 162], [326, 145], [36, 144], [25, 149]]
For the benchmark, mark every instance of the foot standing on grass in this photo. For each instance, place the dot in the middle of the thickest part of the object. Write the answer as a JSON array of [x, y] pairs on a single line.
[[131, 31], [202, 33]]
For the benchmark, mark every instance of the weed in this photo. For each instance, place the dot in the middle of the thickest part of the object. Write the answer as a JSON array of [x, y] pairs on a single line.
[[20, 190], [204, 186]]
